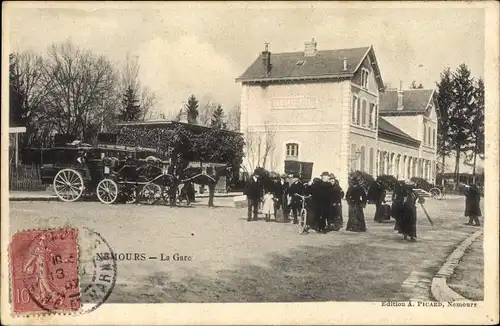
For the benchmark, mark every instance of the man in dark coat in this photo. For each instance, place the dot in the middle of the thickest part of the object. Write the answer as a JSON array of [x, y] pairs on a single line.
[[295, 202], [376, 194], [472, 209], [253, 191], [322, 201], [282, 199]]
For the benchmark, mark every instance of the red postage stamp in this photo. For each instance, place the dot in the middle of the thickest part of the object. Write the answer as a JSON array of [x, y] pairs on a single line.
[[44, 271]]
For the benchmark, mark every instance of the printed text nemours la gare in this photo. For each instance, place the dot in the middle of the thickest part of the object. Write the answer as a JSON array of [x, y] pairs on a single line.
[[140, 256]]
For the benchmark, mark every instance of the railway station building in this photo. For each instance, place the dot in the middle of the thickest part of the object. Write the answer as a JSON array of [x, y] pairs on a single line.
[[329, 111]]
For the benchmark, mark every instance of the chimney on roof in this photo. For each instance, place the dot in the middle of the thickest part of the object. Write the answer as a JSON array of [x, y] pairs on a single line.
[[400, 95], [344, 61], [266, 59], [310, 48]]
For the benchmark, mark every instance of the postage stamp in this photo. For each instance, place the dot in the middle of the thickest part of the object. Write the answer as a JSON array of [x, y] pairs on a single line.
[[60, 271], [44, 271]]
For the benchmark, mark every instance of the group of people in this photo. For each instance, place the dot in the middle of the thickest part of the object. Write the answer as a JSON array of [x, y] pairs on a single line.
[[324, 203]]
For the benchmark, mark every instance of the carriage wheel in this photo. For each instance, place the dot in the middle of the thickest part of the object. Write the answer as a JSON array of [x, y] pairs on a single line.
[[68, 185], [150, 193], [107, 191], [303, 221], [436, 193]]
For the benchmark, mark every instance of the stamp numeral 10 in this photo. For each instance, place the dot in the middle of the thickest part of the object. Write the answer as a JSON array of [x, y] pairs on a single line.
[[22, 296]]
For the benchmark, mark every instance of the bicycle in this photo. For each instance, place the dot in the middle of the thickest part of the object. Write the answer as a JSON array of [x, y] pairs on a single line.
[[303, 227], [437, 193]]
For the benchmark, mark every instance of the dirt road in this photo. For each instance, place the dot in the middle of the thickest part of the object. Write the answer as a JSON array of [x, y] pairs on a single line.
[[232, 260]]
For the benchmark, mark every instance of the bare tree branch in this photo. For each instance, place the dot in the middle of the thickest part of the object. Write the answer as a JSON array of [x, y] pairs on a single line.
[[130, 80], [233, 118], [82, 87]]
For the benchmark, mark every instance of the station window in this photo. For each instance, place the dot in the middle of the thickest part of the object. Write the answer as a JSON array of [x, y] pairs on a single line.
[[364, 77], [363, 114], [292, 151], [371, 116]]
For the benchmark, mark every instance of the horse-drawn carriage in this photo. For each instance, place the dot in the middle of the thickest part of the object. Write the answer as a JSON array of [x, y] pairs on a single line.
[[77, 169], [137, 180], [120, 174]]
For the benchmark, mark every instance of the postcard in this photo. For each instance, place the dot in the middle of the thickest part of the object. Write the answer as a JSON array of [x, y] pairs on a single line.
[[237, 163]]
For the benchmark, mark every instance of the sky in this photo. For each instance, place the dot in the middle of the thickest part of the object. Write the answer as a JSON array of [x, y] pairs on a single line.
[[200, 48]]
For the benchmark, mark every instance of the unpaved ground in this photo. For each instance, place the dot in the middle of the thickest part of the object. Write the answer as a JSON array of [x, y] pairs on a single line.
[[467, 278], [237, 261]]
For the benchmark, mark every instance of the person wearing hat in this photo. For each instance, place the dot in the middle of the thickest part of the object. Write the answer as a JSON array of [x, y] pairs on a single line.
[[472, 208], [356, 199], [322, 201], [282, 200], [398, 196], [277, 191], [253, 191], [408, 216], [295, 202], [376, 194], [337, 195]]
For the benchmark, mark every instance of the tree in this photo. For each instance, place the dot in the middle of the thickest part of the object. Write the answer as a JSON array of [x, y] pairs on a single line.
[[26, 92], [476, 116], [192, 110], [178, 116], [130, 84], [415, 86], [218, 118], [233, 118], [82, 91], [260, 146], [130, 110], [460, 126], [445, 99], [206, 113]]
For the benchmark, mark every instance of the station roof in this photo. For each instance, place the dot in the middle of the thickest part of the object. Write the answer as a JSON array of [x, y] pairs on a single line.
[[415, 101], [385, 128]]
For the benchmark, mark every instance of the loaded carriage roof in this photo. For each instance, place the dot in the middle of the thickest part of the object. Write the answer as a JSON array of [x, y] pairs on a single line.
[[70, 147], [167, 124]]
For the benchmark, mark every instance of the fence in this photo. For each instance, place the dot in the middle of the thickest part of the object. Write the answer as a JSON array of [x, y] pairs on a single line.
[[25, 177]]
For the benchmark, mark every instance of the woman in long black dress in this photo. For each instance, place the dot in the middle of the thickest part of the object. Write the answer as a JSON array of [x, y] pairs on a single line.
[[408, 217], [472, 209], [398, 196], [338, 195], [356, 199]]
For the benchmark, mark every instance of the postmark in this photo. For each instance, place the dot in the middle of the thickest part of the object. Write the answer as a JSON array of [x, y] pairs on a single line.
[[44, 271], [97, 270]]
